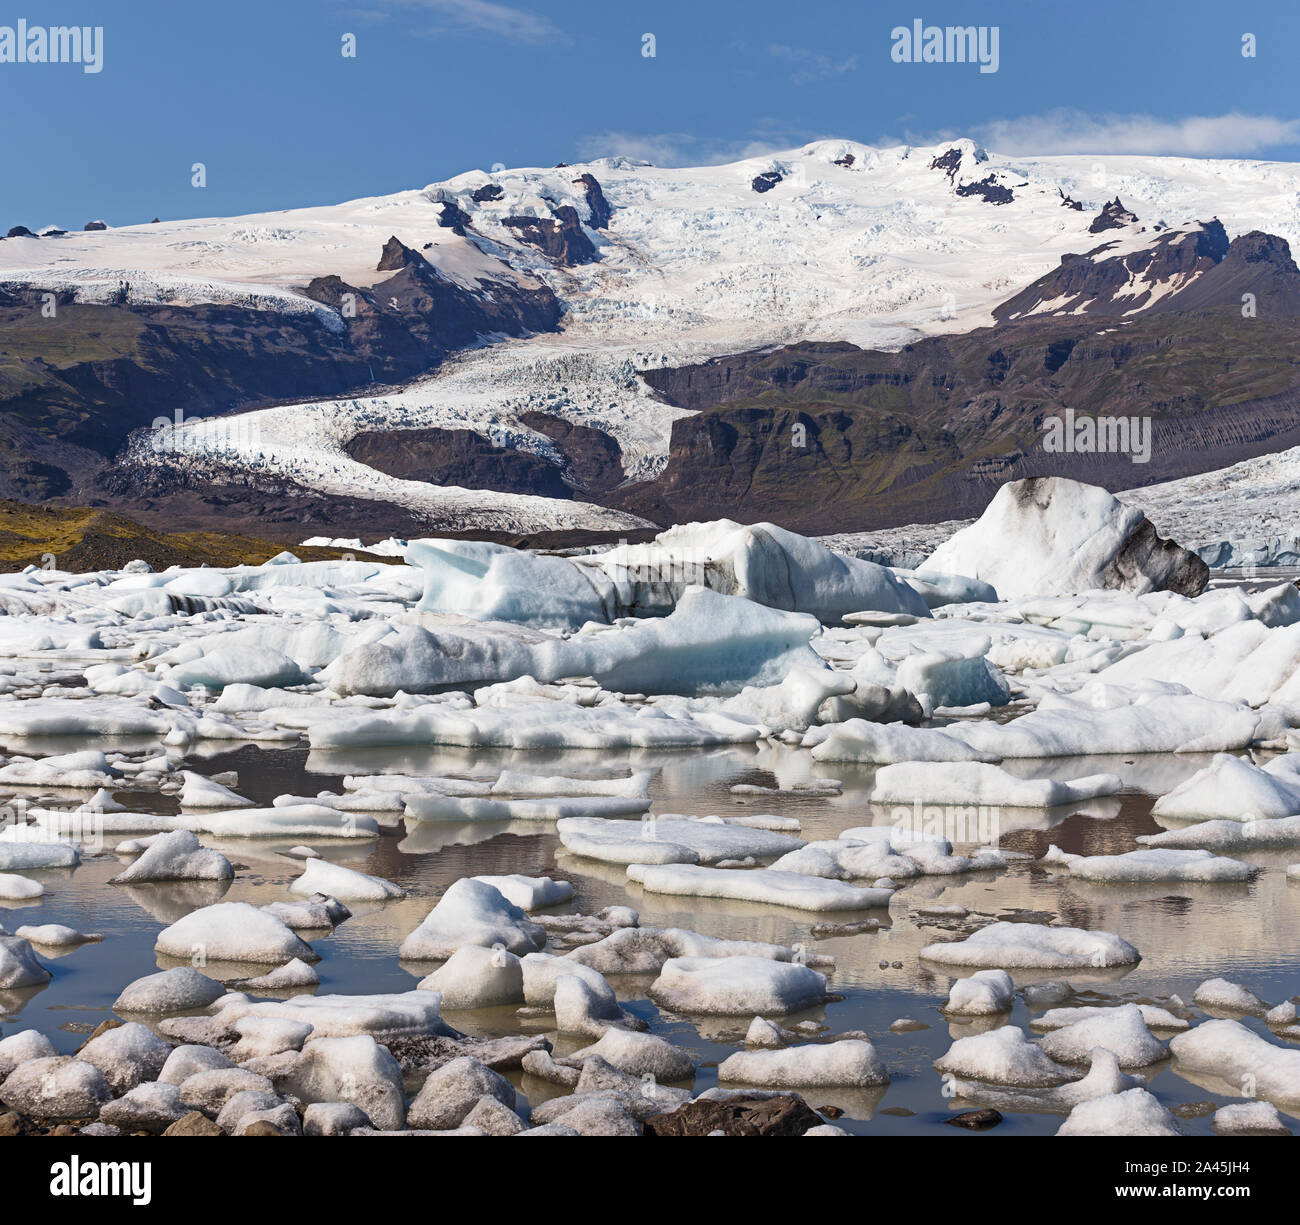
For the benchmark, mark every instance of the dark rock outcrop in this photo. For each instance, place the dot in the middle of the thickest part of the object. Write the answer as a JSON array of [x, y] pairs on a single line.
[[456, 457], [987, 189], [1113, 216], [766, 181], [786, 1114], [489, 191], [560, 237], [598, 207], [454, 218], [21, 231], [1100, 283], [95, 225]]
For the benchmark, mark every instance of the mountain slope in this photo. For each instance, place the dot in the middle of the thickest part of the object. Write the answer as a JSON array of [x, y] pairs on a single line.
[[653, 269]]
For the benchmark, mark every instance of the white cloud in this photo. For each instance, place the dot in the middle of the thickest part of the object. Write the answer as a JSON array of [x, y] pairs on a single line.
[[810, 65], [669, 149], [479, 17], [1071, 131]]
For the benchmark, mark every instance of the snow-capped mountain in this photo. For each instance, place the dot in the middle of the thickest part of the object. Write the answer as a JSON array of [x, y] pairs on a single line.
[[572, 283]]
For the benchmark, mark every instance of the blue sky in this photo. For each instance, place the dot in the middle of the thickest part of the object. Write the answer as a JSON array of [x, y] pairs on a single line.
[[260, 93]]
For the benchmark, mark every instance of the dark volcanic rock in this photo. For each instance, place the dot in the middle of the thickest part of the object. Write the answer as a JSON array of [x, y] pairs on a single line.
[[600, 210], [453, 218], [949, 162], [1099, 283], [785, 1115], [1257, 264], [975, 1120], [397, 255], [95, 225], [20, 231], [766, 181], [457, 457], [987, 189], [560, 238], [1070, 202], [1113, 216], [489, 191], [846, 161], [593, 461]]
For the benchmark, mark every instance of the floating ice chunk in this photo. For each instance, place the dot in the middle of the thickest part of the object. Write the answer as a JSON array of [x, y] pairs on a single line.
[[1231, 789], [471, 912], [737, 986], [1121, 1030], [233, 931], [761, 562], [1135, 1112], [530, 892], [758, 885], [242, 664], [322, 876], [971, 782], [289, 977], [433, 806], [292, 821], [847, 1064], [849, 859], [19, 965], [582, 1008], [493, 582], [1164, 723], [1050, 535], [539, 723], [200, 792], [383, 1017], [126, 1055], [58, 1087], [176, 856], [516, 784], [83, 771], [1034, 946], [670, 839], [181, 989], [795, 703], [1003, 1056], [639, 1054], [23, 850], [477, 977], [1152, 865], [318, 913], [643, 950], [1225, 835], [19, 888], [542, 971], [1228, 997], [356, 1070], [985, 993], [1228, 1052], [57, 935], [1249, 1119], [859, 740], [955, 676], [1153, 1016]]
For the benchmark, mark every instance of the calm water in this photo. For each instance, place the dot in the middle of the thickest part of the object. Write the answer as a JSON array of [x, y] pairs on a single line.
[[1185, 933]]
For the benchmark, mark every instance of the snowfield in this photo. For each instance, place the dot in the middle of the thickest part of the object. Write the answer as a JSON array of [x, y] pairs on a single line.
[[694, 264]]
